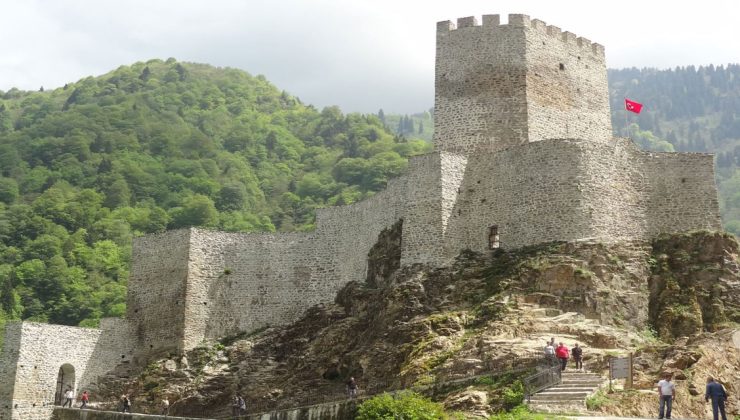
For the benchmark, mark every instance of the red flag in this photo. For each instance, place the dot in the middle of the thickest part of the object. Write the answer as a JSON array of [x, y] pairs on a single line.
[[633, 106]]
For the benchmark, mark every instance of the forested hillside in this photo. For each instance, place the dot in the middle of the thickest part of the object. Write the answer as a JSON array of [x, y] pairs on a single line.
[[155, 146]]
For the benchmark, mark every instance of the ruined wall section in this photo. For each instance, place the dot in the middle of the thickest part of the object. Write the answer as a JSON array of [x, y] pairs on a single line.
[[155, 303], [566, 84], [480, 76], [681, 192], [532, 193]]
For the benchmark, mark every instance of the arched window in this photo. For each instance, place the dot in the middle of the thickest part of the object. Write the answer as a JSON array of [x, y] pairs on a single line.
[[65, 380], [493, 239]]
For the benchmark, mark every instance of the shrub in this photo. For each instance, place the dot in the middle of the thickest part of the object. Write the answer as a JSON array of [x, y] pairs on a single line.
[[405, 405], [513, 395]]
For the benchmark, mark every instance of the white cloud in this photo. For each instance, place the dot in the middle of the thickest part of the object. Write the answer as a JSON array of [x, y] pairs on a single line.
[[360, 54]]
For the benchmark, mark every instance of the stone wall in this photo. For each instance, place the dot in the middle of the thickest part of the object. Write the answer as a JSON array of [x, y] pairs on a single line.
[[573, 189], [242, 282], [566, 86], [480, 75], [682, 195], [36, 352], [498, 86], [530, 192], [75, 414], [8, 366], [156, 292], [341, 410]]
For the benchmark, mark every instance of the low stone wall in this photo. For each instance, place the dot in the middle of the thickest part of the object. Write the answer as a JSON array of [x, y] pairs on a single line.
[[341, 410], [77, 414]]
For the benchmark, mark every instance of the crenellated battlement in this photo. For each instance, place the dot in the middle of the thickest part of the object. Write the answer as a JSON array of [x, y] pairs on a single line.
[[493, 23]]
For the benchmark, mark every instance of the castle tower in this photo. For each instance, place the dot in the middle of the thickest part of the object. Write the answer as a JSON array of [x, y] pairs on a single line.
[[498, 86]]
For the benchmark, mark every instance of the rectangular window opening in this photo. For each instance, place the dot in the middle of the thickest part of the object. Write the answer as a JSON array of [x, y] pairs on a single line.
[[493, 239]]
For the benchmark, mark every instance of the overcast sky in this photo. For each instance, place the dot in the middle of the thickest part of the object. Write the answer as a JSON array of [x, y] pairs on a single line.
[[359, 54]]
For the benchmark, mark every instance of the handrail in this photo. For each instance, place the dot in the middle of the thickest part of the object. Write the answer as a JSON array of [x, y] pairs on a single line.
[[325, 395], [541, 380]]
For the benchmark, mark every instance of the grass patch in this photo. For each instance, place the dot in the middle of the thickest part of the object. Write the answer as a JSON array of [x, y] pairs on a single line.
[[596, 401], [521, 412], [584, 273]]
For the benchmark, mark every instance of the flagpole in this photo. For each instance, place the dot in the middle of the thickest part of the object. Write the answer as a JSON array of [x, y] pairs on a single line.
[[626, 127]]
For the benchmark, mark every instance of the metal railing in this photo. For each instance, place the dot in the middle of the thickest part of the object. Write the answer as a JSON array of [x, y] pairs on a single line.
[[543, 379], [492, 368], [328, 392]]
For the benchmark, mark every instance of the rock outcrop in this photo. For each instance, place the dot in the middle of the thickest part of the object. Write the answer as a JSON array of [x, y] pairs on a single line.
[[419, 325]]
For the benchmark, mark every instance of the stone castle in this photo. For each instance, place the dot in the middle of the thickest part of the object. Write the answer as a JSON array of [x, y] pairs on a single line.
[[524, 154]]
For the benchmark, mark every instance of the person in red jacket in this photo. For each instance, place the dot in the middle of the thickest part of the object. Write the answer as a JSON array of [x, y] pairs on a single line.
[[562, 354]]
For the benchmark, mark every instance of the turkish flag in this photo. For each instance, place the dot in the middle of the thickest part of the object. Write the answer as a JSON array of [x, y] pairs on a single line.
[[633, 106]]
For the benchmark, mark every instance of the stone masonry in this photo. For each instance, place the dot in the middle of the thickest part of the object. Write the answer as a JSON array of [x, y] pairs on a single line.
[[523, 154]]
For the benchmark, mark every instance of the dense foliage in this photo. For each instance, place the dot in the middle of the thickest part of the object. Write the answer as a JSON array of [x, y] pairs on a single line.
[[692, 109], [405, 405], [155, 146]]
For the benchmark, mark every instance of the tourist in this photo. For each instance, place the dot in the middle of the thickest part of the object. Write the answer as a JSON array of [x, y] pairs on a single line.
[[165, 406], [242, 406], [125, 404], [667, 393], [68, 397], [549, 351], [352, 388], [563, 354], [85, 399], [235, 406], [578, 356], [717, 393], [552, 342]]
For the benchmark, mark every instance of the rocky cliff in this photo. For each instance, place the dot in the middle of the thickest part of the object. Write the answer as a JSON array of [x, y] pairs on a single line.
[[673, 302]]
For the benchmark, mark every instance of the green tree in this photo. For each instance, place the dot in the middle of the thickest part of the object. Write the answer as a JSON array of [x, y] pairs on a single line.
[[197, 210], [8, 190]]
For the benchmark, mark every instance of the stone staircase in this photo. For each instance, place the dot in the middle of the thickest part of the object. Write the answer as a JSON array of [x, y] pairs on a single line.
[[568, 396]]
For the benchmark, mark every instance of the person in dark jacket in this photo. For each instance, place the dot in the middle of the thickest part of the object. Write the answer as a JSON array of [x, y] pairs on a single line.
[[717, 393], [352, 388], [577, 354], [125, 404]]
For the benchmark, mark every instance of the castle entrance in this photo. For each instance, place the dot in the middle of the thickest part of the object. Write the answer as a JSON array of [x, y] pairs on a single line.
[[65, 379]]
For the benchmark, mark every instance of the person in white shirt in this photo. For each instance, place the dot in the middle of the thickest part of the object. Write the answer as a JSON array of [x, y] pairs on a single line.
[[549, 351], [667, 393], [69, 395]]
